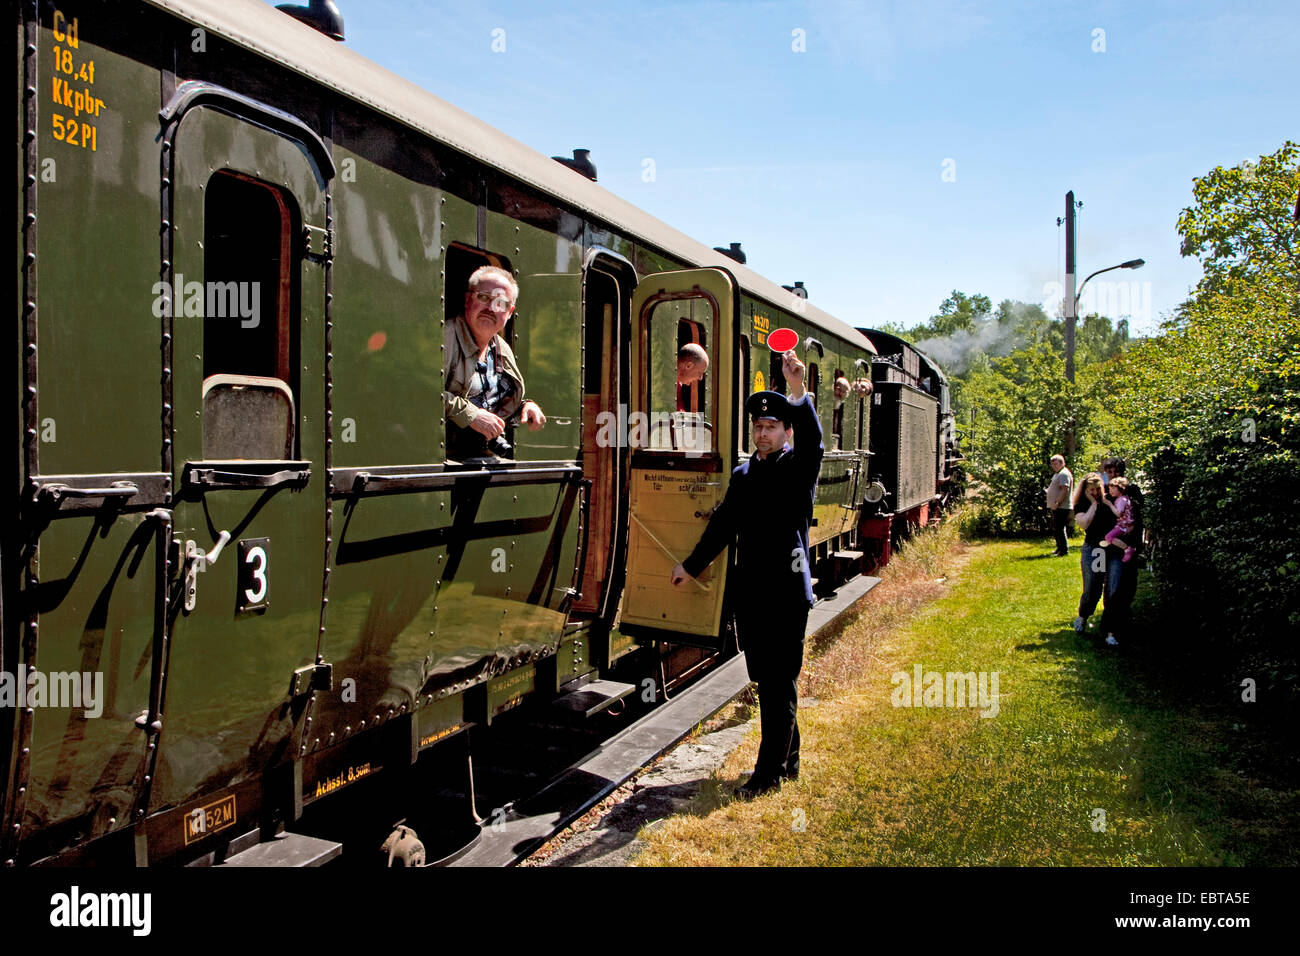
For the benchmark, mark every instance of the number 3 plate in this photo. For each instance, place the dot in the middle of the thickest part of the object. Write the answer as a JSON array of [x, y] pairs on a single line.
[[253, 587]]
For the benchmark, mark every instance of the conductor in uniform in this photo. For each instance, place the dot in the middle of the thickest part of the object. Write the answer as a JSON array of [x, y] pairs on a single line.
[[767, 512]]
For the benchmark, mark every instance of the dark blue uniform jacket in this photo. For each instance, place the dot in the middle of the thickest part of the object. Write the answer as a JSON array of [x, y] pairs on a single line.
[[767, 512]]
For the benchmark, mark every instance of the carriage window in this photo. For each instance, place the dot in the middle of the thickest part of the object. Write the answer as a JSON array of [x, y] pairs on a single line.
[[679, 374], [775, 375], [840, 386], [692, 366], [862, 419], [463, 444], [742, 393], [250, 299]]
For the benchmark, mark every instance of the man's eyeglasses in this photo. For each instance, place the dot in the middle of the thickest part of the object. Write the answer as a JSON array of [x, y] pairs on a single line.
[[498, 303]]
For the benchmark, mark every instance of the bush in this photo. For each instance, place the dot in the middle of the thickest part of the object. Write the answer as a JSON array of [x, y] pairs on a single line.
[[981, 520], [1210, 411]]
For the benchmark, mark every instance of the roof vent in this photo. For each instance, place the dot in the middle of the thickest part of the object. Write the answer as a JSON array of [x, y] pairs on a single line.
[[581, 163], [322, 15], [796, 289], [735, 252]]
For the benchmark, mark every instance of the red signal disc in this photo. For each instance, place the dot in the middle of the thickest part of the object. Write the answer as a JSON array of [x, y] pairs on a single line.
[[782, 340]]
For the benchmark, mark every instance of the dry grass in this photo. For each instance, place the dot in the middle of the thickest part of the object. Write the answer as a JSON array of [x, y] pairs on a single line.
[[920, 574]]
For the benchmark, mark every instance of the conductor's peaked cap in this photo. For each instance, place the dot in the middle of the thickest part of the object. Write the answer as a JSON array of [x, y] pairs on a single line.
[[769, 405]]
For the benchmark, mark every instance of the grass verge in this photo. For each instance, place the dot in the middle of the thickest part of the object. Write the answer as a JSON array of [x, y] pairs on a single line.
[[1088, 761]]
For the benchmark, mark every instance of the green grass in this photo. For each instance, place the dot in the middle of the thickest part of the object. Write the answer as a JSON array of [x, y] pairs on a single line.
[[1081, 731]]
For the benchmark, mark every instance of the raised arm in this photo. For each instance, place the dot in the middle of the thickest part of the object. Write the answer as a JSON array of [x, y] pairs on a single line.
[[808, 447], [1084, 518]]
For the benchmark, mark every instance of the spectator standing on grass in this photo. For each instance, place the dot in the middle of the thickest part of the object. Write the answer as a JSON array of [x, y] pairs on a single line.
[[1101, 574], [1119, 605], [1058, 503]]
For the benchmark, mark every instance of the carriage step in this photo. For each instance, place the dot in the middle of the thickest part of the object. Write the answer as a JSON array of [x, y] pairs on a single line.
[[847, 555], [591, 698], [287, 849]]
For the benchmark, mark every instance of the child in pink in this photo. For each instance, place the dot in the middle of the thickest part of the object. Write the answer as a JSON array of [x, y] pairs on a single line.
[[1123, 508]]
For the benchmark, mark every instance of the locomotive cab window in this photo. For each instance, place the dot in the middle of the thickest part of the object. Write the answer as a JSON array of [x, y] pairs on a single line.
[[250, 296]]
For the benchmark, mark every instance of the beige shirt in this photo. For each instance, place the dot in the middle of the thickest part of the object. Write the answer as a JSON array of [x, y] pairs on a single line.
[[1058, 490], [461, 355]]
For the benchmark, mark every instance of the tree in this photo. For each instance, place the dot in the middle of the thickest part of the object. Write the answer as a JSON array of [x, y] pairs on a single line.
[[1209, 409], [1023, 405], [958, 313], [1241, 224]]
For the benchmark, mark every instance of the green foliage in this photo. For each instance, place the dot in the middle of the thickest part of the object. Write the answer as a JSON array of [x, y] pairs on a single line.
[[1240, 225], [983, 520], [1013, 405], [1209, 410], [1023, 407], [957, 313]]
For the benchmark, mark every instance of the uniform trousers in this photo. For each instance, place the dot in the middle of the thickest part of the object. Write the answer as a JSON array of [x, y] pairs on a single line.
[[773, 642]]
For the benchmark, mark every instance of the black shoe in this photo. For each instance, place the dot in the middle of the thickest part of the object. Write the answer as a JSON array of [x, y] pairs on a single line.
[[791, 774], [756, 788]]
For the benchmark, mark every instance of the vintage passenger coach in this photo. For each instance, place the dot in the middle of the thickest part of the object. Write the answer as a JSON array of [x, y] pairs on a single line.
[[240, 243]]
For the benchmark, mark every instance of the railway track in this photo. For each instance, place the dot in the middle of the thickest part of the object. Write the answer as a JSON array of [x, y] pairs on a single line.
[[514, 830]]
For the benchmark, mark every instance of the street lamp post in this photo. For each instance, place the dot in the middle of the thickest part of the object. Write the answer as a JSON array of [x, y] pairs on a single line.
[[1072, 312]]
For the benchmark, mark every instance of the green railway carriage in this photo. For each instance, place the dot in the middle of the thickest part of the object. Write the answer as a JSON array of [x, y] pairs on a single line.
[[243, 573]]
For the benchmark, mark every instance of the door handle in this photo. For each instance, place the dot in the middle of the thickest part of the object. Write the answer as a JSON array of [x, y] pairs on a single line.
[[195, 563], [215, 553]]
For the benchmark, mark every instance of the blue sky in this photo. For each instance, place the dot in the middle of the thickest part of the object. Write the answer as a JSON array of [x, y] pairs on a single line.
[[828, 164]]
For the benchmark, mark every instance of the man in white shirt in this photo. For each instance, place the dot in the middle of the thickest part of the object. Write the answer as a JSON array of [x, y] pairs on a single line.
[[1058, 503]]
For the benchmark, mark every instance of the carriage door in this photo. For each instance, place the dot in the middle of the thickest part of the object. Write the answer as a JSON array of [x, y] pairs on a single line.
[[248, 391], [681, 440]]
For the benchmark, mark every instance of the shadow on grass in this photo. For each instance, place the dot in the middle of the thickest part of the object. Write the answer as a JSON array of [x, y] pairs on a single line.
[[1194, 747]]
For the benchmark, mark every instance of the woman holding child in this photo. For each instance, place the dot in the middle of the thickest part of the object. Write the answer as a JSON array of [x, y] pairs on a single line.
[[1106, 510]]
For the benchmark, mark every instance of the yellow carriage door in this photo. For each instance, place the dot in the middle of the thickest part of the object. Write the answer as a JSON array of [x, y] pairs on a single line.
[[681, 438]]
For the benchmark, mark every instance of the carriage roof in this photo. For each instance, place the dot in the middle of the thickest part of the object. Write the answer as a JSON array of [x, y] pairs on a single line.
[[262, 29]]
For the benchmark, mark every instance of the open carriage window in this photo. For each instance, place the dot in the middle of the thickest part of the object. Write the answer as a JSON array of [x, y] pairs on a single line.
[[485, 382], [840, 387], [679, 375], [249, 309], [742, 394]]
